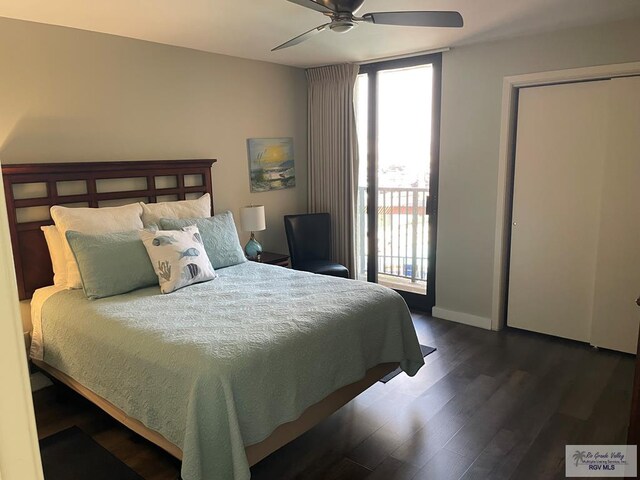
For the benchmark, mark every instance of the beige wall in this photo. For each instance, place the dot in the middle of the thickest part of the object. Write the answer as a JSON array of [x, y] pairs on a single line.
[[471, 107], [69, 95]]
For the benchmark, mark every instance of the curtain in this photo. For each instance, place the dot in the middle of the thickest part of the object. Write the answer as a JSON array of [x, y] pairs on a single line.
[[333, 154]]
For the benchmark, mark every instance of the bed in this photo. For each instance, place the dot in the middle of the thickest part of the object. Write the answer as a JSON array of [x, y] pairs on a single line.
[[219, 374]]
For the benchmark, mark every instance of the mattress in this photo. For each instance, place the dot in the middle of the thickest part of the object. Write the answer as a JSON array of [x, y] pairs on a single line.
[[40, 296], [217, 366]]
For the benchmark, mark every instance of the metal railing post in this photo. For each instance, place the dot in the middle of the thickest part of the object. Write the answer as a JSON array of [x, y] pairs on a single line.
[[414, 236]]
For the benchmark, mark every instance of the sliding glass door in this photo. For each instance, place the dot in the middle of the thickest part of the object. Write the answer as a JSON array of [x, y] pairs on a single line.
[[398, 115]]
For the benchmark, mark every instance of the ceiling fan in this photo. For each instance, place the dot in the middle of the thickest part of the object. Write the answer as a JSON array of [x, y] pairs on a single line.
[[343, 19]]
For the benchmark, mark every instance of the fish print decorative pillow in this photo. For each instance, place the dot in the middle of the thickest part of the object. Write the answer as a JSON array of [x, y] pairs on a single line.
[[178, 257]]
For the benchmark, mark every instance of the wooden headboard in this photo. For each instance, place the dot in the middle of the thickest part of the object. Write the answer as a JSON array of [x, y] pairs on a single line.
[[30, 190]]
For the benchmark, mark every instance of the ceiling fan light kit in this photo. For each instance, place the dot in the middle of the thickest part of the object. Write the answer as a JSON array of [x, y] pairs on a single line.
[[343, 18]]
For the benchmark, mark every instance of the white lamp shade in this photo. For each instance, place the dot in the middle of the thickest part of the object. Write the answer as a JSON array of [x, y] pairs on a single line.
[[252, 218]]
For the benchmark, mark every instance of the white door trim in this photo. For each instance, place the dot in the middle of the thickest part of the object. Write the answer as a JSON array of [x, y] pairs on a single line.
[[510, 88], [19, 452]]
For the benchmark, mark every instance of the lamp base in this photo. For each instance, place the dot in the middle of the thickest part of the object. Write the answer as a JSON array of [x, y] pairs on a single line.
[[253, 249]]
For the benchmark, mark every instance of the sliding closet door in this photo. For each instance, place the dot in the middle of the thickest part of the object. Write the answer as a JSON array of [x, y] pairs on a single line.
[[560, 148], [615, 314]]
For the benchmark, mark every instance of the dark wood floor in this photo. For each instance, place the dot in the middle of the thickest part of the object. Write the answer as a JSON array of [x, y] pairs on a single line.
[[493, 405]]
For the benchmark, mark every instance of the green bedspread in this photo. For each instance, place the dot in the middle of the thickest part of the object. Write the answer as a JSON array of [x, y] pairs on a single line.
[[217, 366]]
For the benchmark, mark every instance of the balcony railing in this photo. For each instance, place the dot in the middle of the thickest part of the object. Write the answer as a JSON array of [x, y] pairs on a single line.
[[402, 232]]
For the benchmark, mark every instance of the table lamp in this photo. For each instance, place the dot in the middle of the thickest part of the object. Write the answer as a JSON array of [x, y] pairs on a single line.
[[252, 220]]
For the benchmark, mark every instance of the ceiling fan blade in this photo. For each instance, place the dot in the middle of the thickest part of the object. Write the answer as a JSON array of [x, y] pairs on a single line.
[[301, 38], [319, 5], [416, 19]]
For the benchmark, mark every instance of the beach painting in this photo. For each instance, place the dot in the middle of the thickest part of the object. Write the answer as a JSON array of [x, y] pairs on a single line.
[[271, 164]]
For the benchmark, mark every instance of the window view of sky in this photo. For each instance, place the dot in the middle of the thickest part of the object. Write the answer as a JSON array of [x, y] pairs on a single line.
[[404, 144], [361, 107], [404, 126]]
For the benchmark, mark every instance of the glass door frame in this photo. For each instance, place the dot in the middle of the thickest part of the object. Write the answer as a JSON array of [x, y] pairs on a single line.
[[414, 300]]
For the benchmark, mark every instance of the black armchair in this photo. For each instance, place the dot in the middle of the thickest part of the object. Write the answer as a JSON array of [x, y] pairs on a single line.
[[309, 239]]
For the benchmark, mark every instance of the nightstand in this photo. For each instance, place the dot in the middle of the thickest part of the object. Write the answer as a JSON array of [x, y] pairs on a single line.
[[271, 258]]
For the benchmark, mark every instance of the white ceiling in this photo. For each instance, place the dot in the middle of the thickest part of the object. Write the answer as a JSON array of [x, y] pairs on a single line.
[[250, 28]]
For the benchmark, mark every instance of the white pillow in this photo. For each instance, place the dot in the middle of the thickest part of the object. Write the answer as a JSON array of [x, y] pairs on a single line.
[[93, 221], [153, 212], [178, 257], [56, 252]]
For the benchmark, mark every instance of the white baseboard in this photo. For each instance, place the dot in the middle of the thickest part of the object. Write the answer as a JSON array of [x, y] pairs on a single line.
[[39, 381], [460, 317]]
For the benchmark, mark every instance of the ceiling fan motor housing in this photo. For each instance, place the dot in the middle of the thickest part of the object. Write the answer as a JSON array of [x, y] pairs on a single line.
[[342, 6], [342, 26]]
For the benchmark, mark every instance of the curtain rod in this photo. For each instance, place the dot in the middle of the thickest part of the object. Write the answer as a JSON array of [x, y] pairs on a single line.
[[407, 55]]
